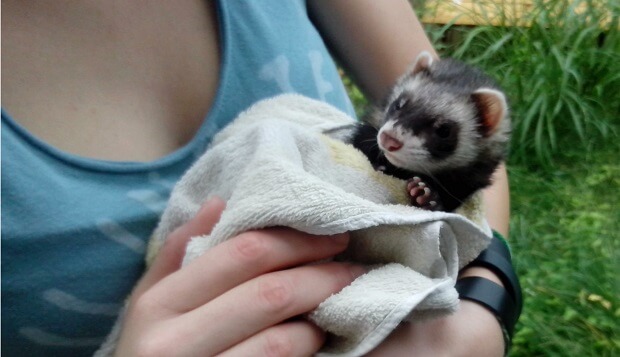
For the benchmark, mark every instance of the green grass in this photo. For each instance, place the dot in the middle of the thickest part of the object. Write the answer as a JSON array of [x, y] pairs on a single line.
[[562, 75], [564, 234]]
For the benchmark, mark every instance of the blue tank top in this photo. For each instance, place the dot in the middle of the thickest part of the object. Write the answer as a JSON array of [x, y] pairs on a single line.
[[74, 229]]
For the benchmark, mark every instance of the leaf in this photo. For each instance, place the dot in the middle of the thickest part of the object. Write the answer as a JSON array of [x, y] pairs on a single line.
[[569, 314]]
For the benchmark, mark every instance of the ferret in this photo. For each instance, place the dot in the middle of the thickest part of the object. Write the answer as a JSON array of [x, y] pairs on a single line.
[[444, 127]]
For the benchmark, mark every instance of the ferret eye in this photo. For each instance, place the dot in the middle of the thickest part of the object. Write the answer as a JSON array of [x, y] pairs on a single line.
[[443, 131], [399, 104]]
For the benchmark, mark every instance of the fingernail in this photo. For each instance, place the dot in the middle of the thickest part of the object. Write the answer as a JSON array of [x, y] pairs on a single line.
[[209, 205], [211, 200]]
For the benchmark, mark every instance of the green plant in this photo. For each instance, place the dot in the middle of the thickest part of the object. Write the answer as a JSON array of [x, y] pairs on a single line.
[[561, 72], [564, 234]]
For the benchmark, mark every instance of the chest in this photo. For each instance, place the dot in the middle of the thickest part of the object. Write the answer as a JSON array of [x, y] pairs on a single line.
[[127, 84]]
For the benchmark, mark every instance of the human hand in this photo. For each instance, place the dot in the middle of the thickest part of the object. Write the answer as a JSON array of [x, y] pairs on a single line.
[[240, 298], [471, 331]]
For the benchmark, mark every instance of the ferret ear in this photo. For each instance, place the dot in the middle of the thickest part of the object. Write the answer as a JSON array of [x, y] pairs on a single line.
[[422, 63], [492, 106]]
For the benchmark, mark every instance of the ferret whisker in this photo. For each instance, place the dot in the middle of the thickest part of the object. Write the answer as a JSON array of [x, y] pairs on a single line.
[[371, 140], [438, 182], [443, 114]]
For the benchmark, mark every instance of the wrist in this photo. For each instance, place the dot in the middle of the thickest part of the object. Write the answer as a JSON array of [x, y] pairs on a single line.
[[485, 332], [490, 281], [495, 299], [481, 272]]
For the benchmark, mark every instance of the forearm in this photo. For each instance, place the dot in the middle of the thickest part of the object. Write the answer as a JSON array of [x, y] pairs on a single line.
[[375, 40], [497, 202]]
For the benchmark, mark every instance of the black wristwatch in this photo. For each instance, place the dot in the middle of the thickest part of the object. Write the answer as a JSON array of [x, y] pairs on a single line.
[[505, 302]]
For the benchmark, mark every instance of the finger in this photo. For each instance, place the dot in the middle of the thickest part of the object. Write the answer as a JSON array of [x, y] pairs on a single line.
[[260, 303], [171, 254], [240, 259], [296, 338]]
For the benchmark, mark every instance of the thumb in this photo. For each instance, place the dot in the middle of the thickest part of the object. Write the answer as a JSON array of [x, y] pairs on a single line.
[[171, 254]]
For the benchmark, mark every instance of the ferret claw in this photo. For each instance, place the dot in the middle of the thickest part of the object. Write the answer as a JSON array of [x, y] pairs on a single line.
[[422, 195]]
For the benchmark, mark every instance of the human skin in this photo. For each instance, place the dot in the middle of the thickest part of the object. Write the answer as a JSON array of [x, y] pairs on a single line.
[[147, 67], [239, 298]]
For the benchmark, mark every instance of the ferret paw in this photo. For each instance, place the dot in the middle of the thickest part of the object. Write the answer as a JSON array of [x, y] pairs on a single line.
[[422, 195]]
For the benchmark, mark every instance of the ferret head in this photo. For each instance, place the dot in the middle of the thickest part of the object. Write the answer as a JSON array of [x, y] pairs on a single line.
[[443, 115]]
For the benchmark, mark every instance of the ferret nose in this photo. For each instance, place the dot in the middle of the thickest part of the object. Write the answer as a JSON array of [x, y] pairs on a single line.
[[389, 142]]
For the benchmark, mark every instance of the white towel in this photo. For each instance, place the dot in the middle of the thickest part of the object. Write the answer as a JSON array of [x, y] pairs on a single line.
[[276, 166]]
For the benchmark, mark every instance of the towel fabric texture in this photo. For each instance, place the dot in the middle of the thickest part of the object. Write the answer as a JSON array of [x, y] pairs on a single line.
[[283, 162]]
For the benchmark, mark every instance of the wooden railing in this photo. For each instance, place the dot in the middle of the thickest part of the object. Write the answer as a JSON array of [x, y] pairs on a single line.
[[493, 12]]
